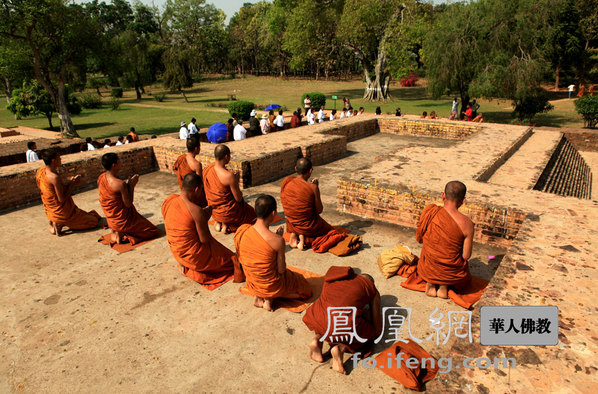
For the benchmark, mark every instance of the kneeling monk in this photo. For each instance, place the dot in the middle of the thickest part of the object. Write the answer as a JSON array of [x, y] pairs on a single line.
[[57, 197], [204, 259], [187, 164], [116, 199], [224, 194], [344, 288], [261, 254], [447, 237], [302, 205]]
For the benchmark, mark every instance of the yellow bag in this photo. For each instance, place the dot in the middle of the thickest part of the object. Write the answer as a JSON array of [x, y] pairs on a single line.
[[391, 260]]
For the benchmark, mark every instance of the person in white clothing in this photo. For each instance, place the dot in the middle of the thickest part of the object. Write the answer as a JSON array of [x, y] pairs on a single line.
[[321, 114], [361, 111], [333, 114], [571, 89], [183, 131], [89, 144], [239, 131], [350, 112], [192, 127], [310, 117], [342, 115], [279, 121], [31, 154], [107, 143], [265, 124], [119, 142]]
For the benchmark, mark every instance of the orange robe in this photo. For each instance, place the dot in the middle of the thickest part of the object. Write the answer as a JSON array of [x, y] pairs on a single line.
[[66, 212], [343, 288], [225, 209], [207, 264], [122, 219], [582, 91], [260, 265], [299, 205], [441, 261], [181, 169]]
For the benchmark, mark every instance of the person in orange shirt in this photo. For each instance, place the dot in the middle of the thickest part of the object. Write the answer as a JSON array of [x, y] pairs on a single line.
[[261, 254], [447, 237], [57, 197], [133, 135], [187, 164], [116, 200]]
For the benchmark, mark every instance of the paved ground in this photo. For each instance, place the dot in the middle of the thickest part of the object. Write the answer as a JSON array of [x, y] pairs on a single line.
[[77, 316]]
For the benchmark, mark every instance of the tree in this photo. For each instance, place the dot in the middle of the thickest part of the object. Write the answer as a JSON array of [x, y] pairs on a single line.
[[365, 28], [587, 107], [177, 74], [588, 11], [15, 66], [57, 36], [566, 41]]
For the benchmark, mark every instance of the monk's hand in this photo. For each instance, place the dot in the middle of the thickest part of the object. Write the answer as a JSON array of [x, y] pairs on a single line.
[[208, 210], [315, 181], [280, 230], [237, 176], [133, 179], [76, 179]]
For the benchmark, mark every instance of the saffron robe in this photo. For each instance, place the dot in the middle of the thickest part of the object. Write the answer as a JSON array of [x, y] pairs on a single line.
[[181, 169]]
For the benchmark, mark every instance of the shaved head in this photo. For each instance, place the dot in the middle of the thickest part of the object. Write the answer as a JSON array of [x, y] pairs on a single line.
[[303, 166], [455, 191], [264, 206], [221, 151], [192, 144], [368, 277], [191, 182]]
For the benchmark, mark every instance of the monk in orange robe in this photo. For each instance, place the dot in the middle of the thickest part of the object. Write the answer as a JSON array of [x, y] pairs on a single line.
[[582, 91], [116, 199], [203, 259], [58, 200], [261, 255], [343, 288], [187, 164], [447, 237], [302, 205], [224, 194]]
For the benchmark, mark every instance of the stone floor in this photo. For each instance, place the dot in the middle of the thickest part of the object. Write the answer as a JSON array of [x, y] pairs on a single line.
[[77, 316]]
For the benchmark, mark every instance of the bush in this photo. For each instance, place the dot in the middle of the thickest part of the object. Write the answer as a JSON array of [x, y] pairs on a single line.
[[587, 107], [90, 101], [114, 104], [241, 108], [116, 92], [409, 80], [317, 99], [159, 97], [528, 103]]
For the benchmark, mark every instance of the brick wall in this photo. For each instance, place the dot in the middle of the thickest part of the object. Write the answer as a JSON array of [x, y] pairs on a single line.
[[443, 129], [349, 128], [394, 204], [14, 152], [18, 185]]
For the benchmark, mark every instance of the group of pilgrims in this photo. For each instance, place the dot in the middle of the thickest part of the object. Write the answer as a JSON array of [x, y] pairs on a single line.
[[213, 195]]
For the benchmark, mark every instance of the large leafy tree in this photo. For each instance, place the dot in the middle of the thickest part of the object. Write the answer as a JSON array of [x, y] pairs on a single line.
[[566, 42], [57, 35]]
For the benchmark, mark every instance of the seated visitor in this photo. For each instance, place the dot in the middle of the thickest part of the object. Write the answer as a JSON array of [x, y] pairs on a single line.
[[107, 143], [424, 115], [468, 113], [261, 254], [133, 134], [239, 132], [333, 114], [31, 153], [433, 115], [398, 112], [90, 145], [120, 140], [378, 111], [265, 124], [295, 122]]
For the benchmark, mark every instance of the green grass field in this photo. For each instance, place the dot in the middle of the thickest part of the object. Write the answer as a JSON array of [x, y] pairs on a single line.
[[151, 117]]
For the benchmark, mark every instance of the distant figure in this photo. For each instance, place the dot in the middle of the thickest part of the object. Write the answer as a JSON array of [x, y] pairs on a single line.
[[271, 118], [361, 111], [455, 107], [468, 113], [183, 131], [452, 116], [433, 115], [474, 108], [133, 135], [591, 90], [346, 104], [129, 139], [321, 114], [398, 112], [378, 111], [333, 114], [355, 113], [120, 140], [479, 118], [582, 90], [192, 127], [295, 122], [571, 89], [299, 115], [279, 121], [239, 131], [307, 104], [31, 152], [265, 124], [349, 112], [229, 130], [107, 143], [424, 115], [254, 124], [90, 144], [342, 115], [310, 117]]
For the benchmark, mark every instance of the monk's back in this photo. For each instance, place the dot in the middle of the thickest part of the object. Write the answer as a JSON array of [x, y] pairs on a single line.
[[218, 194], [55, 210], [118, 215]]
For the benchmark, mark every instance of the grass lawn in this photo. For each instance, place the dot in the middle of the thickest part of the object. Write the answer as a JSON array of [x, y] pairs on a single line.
[[151, 117]]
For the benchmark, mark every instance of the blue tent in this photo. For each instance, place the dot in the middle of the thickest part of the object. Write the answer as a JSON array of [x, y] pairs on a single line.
[[217, 133], [272, 106]]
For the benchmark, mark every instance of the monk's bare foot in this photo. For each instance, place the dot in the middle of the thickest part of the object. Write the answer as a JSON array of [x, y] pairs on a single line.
[[301, 243], [442, 291], [268, 305], [293, 241], [315, 350], [258, 302], [217, 226], [337, 359], [430, 290], [115, 238], [224, 228], [51, 228]]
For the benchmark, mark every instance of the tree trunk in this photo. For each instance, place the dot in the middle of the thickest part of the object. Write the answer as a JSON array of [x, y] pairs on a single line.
[[8, 89], [184, 96], [66, 124], [142, 89], [557, 72], [464, 102], [49, 116]]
